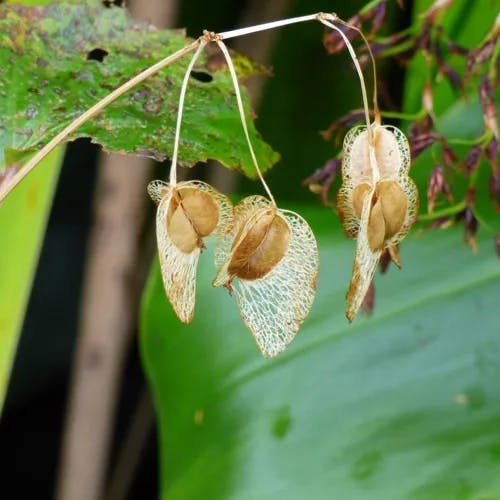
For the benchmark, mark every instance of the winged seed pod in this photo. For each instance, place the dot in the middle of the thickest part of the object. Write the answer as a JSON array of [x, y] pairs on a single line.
[[272, 268], [186, 214], [377, 201]]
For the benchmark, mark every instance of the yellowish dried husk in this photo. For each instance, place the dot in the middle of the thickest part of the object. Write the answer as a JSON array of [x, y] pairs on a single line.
[[261, 247], [376, 227], [388, 210], [358, 196], [192, 214], [274, 306], [394, 203], [392, 161], [182, 212]]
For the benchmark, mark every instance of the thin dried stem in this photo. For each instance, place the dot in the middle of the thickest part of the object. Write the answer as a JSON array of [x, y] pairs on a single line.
[[266, 26], [327, 20], [376, 110], [232, 71], [90, 113], [182, 97]]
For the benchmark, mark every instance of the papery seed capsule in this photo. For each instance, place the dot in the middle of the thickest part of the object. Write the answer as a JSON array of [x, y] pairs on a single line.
[[186, 214], [261, 247], [192, 214], [377, 201], [271, 267]]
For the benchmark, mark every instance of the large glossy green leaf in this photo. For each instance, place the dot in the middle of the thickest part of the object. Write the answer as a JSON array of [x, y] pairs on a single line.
[[23, 218], [46, 81], [405, 404]]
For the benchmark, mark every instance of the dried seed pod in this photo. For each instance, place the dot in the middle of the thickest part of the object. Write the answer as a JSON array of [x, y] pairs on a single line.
[[272, 267], [377, 201], [186, 214]]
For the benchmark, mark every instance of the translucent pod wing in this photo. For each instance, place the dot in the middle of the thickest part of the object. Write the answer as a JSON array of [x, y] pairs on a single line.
[[274, 306], [178, 268], [365, 262], [355, 172], [187, 213], [157, 190], [392, 152]]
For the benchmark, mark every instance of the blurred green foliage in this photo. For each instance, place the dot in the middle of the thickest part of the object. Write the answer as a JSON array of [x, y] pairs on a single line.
[[402, 404]]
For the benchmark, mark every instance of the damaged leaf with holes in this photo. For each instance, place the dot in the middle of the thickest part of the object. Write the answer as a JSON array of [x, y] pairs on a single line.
[[59, 60]]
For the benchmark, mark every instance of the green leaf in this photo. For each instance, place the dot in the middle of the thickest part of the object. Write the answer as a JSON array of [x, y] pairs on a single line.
[[404, 404], [46, 81], [23, 218]]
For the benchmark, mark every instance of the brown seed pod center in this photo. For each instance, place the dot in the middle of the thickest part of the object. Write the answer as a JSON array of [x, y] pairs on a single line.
[[394, 206], [387, 213], [192, 214], [260, 244], [358, 197]]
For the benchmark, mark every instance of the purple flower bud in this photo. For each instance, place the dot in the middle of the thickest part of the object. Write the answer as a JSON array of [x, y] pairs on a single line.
[[494, 185], [470, 228], [449, 156], [437, 185], [379, 13], [491, 152], [472, 159], [488, 104], [418, 144], [321, 180]]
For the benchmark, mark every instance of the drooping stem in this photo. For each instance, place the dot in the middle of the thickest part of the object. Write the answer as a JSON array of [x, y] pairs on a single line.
[[90, 113], [376, 110], [232, 71], [182, 97], [327, 19], [225, 35]]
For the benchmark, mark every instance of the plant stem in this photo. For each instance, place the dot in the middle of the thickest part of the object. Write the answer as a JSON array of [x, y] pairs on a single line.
[[225, 35], [90, 113], [182, 96], [232, 71], [404, 116], [327, 21], [453, 210]]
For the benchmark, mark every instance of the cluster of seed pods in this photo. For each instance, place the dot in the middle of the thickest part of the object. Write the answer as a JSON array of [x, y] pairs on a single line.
[[267, 257]]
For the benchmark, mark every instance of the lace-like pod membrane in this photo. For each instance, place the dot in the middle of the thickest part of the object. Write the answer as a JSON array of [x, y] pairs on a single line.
[[377, 201], [186, 214], [272, 267]]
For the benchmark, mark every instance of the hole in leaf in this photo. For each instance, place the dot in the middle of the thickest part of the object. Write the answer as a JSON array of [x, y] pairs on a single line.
[[110, 3], [97, 54], [201, 76]]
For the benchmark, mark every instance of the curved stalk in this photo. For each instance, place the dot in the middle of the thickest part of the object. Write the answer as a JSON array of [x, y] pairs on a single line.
[[376, 110], [182, 96], [232, 71], [327, 19]]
